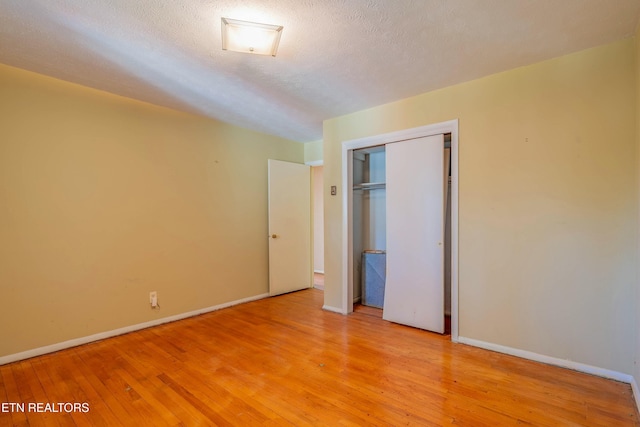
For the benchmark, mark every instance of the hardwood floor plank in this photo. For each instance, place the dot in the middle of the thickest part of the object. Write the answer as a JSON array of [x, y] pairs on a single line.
[[104, 409], [114, 394], [31, 391], [5, 415], [285, 361], [174, 394], [14, 417], [63, 376]]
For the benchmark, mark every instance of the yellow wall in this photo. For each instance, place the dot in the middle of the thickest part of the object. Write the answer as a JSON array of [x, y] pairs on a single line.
[[318, 218], [313, 151], [547, 202], [636, 366], [103, 199]]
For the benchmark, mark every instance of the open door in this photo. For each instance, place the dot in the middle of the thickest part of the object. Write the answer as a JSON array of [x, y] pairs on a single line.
[[414, 293], [289, 227]]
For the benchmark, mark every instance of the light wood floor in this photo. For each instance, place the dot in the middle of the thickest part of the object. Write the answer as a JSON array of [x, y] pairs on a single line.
[[284, 361], [318, 281]]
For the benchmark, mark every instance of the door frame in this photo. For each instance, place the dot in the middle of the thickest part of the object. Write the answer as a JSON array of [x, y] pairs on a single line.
[[451, 127]]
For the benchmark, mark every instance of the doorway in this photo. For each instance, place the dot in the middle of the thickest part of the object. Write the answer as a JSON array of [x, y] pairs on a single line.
[[317, 184], [349, 259]]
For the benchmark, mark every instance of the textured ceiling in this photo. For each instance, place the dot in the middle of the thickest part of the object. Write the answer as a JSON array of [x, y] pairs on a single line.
[[335, 56]]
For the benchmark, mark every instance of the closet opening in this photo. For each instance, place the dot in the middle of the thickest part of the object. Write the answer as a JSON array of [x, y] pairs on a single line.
[[369, 228], [376, 217]]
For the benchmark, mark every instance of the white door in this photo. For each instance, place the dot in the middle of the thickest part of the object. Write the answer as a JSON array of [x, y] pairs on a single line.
[[414, 290], [289, 227]]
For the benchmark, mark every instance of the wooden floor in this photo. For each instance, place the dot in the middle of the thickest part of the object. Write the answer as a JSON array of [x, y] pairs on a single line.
[[284, 361], [318, 281]]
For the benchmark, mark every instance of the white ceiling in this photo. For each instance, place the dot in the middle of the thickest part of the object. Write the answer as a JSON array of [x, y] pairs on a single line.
[[335, 56]]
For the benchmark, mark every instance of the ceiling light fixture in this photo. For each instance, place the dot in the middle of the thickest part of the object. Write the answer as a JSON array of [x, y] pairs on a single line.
[[250, 37]]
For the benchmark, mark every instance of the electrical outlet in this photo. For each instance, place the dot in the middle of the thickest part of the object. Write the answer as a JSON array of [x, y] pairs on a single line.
[[153, 299]]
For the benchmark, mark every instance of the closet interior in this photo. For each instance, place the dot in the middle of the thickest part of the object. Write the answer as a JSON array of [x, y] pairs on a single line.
[[369, 198]]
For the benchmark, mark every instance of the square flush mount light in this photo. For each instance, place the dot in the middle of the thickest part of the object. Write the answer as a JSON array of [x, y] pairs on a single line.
[[250, 37]]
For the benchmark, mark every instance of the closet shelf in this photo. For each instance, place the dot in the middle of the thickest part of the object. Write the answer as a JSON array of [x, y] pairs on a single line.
[[369, 186]]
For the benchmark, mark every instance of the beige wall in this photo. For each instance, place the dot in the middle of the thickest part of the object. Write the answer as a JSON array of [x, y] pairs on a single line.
[[313, 152], [318, 219], [103, 199], [547, 205], [636, 366]]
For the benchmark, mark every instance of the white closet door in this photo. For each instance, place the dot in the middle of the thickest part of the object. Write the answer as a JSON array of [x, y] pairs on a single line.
[[414, 290]]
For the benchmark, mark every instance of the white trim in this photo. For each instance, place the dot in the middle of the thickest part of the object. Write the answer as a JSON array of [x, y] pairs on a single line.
[[636, 391], [314, 163], [401, 135], [347, 220], [115, 332], [319, 271], [332, 309], [454, 230], [563, 363], [451, 127]]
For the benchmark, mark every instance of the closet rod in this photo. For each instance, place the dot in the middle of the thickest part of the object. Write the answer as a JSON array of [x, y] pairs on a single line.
[[369, 186]]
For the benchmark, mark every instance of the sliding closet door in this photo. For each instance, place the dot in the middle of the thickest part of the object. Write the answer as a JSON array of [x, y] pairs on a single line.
[[414, 291]]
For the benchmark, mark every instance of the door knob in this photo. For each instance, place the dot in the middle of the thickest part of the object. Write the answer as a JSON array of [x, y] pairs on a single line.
[[274, 236]]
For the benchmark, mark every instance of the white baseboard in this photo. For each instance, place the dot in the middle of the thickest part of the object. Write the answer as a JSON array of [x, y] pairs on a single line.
[[636, 392], [569, 364], [332, 309], [108, 334]]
